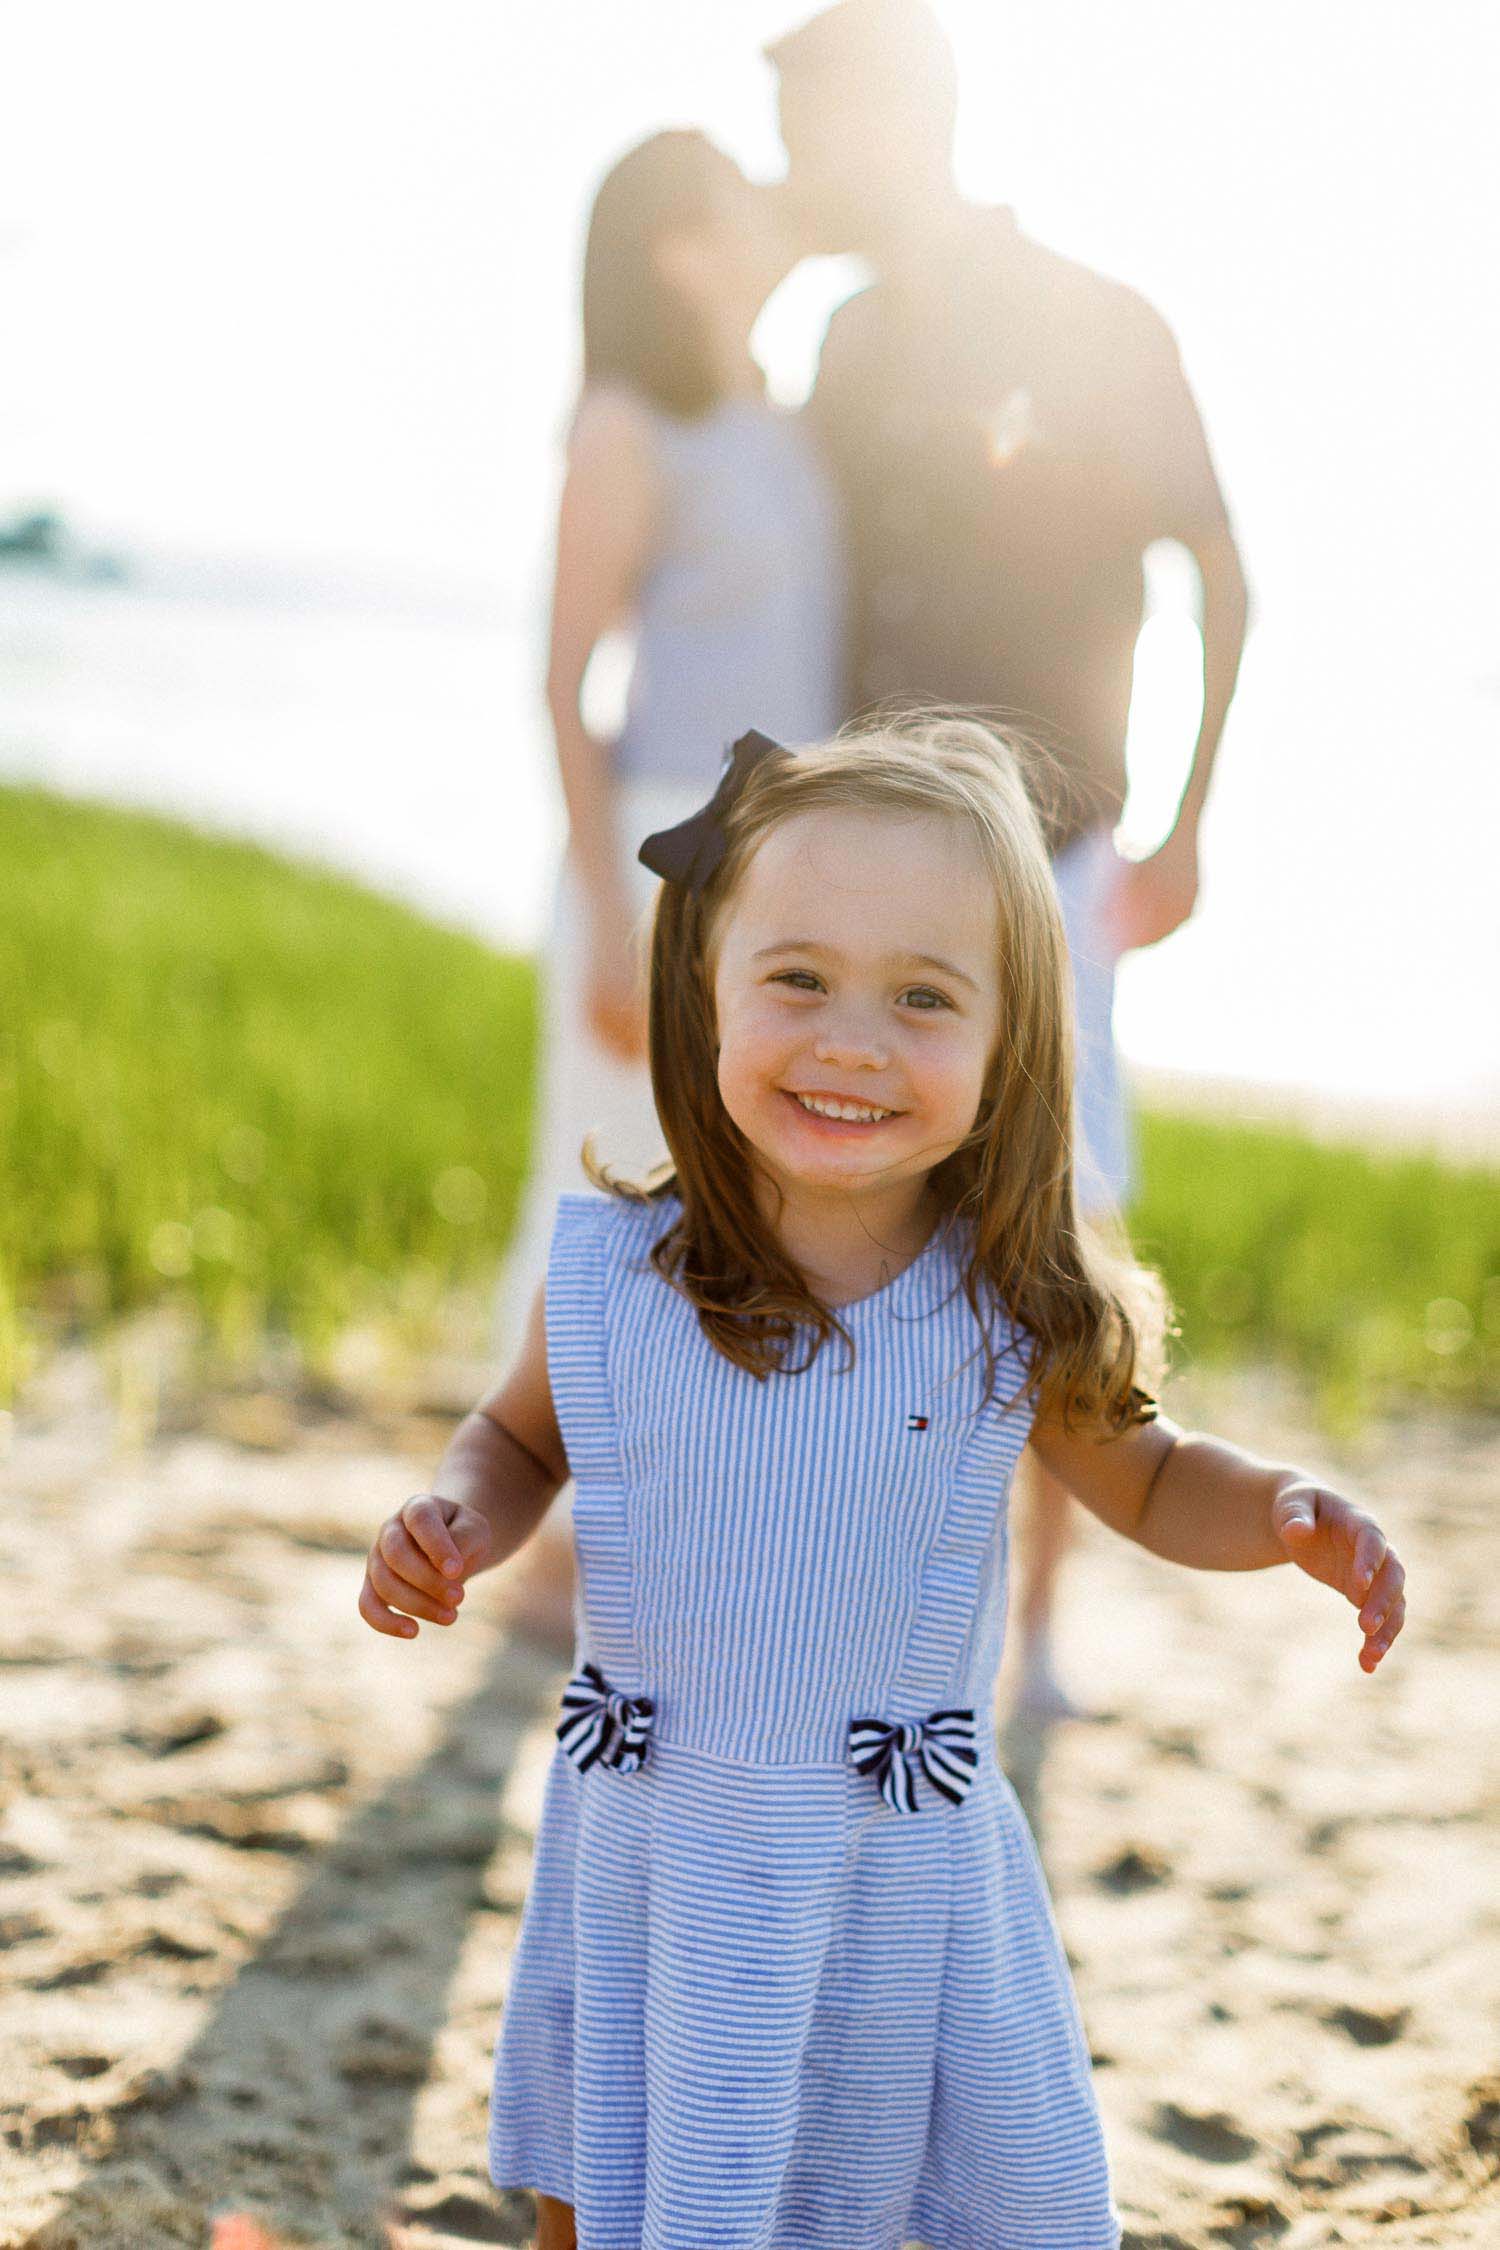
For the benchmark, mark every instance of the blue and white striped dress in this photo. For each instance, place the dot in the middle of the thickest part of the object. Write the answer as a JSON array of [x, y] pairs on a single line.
[[753, 2003]]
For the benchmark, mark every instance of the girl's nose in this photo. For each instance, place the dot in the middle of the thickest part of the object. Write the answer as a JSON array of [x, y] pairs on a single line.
[[851, 1046]]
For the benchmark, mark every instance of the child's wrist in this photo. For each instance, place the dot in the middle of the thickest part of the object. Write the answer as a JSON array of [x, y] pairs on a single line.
[[490, 1471], [1289, 1487]]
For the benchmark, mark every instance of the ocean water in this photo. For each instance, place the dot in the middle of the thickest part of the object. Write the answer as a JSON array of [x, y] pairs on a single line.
[[1348, 938], [404, 744]]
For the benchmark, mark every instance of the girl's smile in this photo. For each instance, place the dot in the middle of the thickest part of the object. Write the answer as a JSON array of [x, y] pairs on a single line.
[[839, 1109]]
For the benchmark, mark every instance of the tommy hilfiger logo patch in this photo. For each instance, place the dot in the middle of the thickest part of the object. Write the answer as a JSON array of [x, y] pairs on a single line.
[[916, 1421]]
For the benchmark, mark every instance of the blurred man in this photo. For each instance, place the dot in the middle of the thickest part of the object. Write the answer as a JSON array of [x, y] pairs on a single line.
[[1010, 432]]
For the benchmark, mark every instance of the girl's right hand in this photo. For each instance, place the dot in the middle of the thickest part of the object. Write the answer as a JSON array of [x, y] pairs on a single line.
[[419, 1561]]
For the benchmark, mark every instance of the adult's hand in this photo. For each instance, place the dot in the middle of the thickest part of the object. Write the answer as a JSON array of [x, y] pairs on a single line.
[[1155, 896], [614, 985], [616, 1008]]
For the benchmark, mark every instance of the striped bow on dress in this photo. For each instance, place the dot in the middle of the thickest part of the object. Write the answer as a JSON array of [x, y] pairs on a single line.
[[943, 1743], [600, 1726]]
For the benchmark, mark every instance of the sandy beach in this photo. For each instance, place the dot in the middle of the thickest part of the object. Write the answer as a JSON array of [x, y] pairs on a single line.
[[260, 1869]]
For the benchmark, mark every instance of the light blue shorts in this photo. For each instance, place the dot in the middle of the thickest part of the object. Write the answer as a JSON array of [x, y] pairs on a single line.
[[1086, 872]]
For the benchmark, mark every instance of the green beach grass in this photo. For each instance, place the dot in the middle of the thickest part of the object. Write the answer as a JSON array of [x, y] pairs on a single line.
[[1377, 1276], [288, 1106], [240, 1084]]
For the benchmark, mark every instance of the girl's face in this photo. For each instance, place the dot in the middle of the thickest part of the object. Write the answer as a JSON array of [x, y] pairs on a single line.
[[857, 998]]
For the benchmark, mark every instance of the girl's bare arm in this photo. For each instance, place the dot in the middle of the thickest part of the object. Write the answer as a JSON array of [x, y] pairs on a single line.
[[1199, 1501], [493, 1486]]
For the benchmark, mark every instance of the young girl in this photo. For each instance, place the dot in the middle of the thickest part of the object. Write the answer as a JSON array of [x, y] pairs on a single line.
[[787, 1973]]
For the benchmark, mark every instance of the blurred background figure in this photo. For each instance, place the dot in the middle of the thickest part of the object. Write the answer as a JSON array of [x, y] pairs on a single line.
[[1009, 432], [694, 515]]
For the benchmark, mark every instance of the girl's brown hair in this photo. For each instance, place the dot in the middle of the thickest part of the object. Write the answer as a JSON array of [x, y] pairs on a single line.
[[1094, 1319]]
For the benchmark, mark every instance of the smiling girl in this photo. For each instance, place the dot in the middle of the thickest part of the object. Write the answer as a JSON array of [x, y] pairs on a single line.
[[788, 1972]]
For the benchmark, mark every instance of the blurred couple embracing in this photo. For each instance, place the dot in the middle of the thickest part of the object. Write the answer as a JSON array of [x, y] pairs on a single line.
[[957, 517]]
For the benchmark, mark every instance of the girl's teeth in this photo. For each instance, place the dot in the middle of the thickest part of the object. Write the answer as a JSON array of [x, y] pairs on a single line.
[[851, 1113]]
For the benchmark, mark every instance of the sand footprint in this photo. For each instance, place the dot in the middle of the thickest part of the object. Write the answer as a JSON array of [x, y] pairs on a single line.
[[1338, 2152], [1208, 2135], [1249, 2222], [463, 2217], [1136, 1868], [21, 1927], [1481, 2125], [1367, 2027]]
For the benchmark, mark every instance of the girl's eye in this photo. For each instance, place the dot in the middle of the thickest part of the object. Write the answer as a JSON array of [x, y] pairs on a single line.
[[920, 996]]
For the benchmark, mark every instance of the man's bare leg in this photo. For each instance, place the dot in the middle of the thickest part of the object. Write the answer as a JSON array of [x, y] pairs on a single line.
[[554, 2224]]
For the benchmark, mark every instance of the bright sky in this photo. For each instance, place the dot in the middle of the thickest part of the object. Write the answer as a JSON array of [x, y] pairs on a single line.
[[305, 274], [299, 279]]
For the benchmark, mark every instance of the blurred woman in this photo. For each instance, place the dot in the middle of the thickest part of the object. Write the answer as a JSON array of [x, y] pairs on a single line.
[[694, 515]]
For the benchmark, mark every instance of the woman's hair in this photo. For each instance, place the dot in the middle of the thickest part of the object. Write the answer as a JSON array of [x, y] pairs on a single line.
[[636, 328], [1094, 1320]]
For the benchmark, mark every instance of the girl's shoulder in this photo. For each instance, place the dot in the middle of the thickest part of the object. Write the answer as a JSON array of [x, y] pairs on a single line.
[[600, 1231]]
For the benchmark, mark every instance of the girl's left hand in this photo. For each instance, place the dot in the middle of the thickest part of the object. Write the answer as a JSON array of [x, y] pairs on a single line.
[[1337, 1543]]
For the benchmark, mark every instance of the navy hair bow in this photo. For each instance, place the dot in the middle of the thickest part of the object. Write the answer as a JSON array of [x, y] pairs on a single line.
[[690, 852], [943, 1743], [600, 1726]]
